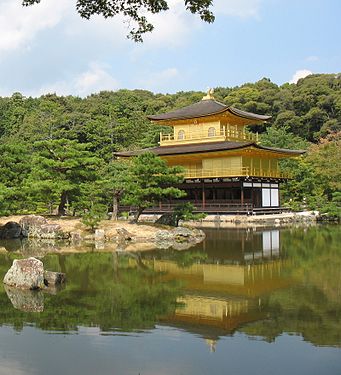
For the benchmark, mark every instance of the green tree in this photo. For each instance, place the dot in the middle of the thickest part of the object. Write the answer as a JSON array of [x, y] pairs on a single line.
[[135, 10], [151, 180], [92, 217], [325, 157], [15, 165], [59, 168], [114, 183], [184, 211]]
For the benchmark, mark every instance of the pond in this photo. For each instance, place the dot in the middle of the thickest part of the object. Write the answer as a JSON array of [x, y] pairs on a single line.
[[260, 301]]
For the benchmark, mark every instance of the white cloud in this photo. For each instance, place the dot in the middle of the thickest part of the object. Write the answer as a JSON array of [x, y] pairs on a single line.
[[300, 74], [157, 80], [95, 79], [111, 31], [171, 28], [237, 8], [19, 25]]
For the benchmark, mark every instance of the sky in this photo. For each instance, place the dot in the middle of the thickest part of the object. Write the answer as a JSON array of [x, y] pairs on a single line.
[[49, 48]]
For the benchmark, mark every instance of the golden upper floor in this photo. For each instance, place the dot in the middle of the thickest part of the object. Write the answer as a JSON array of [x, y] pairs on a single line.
[[208, 132], [207, 121]]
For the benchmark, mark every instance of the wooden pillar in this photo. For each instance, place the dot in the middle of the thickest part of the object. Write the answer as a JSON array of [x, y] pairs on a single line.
[[242, 194], [195, 195], [203, 195]]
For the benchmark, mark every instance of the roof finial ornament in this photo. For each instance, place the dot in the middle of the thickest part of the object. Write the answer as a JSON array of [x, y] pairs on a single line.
[[209, 94]]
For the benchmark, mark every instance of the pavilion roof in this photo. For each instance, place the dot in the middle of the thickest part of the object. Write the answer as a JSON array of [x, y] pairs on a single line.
[[206, 147], [204, 108]]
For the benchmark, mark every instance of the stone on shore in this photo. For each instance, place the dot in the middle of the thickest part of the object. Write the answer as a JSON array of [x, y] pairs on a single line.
[[188, 237], [99, 235], [26, 274], [10, 230], [123, 234], [35, 226], [30, 223]]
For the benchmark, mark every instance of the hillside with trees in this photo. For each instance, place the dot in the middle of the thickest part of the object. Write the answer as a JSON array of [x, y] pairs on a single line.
[[54, 144]]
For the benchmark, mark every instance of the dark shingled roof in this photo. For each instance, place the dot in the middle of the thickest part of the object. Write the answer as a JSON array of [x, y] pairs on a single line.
[[205, 108], [205, 147]]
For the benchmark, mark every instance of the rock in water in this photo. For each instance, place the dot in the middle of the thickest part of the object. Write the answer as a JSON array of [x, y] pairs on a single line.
[[54, 278], [10, 230], [26, 274]]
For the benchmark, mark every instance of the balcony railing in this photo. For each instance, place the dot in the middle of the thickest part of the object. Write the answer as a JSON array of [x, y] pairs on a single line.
[[223, 135], [233, 172]]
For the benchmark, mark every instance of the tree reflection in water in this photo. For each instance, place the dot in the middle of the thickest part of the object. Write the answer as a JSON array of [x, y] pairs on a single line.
[[260, 282]]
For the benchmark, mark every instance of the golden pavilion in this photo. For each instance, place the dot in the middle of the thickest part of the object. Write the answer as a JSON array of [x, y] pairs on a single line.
[[226, 169]]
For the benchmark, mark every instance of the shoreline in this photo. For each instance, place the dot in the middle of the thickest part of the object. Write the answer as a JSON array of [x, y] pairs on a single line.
[[248, 221], [33, 234]]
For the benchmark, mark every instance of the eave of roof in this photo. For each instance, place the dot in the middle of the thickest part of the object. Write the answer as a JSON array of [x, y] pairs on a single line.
[[205, 147], [205, 108]]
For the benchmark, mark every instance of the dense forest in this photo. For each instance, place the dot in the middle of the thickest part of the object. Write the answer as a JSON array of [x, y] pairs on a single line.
[[59, 150]]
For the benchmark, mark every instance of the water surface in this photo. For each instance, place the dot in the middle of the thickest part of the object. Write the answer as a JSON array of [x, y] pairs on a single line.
[[262, 301]]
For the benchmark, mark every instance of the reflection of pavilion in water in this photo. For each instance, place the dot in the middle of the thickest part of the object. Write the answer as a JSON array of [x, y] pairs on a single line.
[[243, 245], [226, 290]]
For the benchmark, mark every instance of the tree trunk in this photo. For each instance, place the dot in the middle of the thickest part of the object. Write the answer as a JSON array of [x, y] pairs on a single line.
[[114, 207], [62, 204], [137, 215]]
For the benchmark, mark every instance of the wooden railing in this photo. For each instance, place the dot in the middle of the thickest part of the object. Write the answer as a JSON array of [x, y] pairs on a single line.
[[233, 172], [210, 207], [171, 139]]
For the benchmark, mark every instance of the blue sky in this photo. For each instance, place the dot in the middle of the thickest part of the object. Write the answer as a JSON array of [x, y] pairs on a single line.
[[49, 48]]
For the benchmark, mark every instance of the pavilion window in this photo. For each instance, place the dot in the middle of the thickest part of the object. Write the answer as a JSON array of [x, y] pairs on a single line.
[[211, 132], [181, 135]]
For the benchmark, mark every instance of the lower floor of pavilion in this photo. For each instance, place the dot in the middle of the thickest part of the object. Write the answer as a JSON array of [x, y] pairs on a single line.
[[235, 196]]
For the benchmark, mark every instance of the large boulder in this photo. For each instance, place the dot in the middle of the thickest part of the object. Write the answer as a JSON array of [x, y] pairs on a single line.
[[26, 274], [38, 227], [179, 238], [10, 230], [30, 223]]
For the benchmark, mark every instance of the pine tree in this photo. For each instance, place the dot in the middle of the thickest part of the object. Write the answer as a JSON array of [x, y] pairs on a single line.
[[151, 180]]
